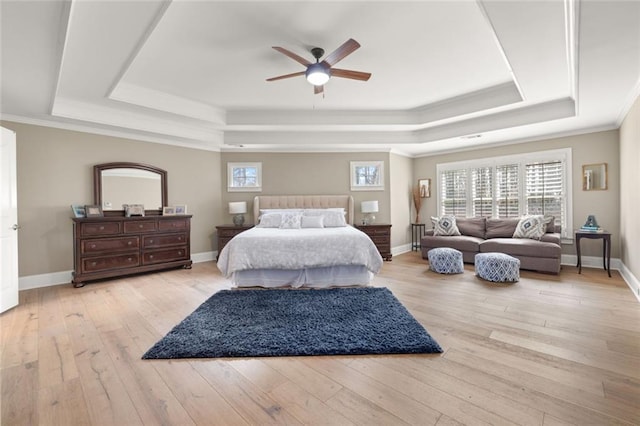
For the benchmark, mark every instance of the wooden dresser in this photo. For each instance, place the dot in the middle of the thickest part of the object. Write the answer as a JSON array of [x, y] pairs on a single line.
[[380, 234], [227, 232], [107, 247]]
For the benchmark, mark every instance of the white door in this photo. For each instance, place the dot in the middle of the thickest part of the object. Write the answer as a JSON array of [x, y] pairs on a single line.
[[8, 221]]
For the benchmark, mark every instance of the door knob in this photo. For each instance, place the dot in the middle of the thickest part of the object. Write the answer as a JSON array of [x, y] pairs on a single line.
[[15, 227]]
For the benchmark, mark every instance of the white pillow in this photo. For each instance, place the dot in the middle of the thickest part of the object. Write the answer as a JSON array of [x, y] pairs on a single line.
[[333, 217], [270, 220], [533, 227], [445, 226], [290, 221], [312, 222]]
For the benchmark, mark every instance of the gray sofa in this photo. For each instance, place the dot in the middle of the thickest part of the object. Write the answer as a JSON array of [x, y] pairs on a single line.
[[483, 235]]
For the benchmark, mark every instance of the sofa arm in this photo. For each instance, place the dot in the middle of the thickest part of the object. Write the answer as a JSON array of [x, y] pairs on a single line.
[[551, 237], [428, 232]]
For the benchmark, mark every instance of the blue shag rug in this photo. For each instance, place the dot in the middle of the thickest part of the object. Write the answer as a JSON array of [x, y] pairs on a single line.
[[256, 323]]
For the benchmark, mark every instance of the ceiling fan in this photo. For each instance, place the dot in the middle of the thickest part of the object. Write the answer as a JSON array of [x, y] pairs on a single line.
[[318, 73]]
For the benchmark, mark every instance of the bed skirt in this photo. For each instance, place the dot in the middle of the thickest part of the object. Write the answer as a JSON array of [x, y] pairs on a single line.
[[331, 276]]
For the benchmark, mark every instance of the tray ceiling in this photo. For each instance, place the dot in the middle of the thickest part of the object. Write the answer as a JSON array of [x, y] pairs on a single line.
[[445, 75]]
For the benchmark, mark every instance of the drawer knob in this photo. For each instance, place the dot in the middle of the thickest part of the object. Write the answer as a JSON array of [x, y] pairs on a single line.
[[129, 259], [140, 226], [129, 243], [93, 246], [151, 241], [150, 256], [179, 238], [102, 228], [179, 253], [93, 263]]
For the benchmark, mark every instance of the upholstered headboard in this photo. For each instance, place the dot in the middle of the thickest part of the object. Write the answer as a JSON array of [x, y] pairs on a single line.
[[303, 202]]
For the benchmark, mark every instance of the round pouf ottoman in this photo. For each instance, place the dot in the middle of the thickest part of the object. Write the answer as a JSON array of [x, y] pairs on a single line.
[[497, 267], [444, 260]]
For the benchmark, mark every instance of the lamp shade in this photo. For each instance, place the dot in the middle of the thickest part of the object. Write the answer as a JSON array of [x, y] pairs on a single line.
[[238, 207], [369, 207]]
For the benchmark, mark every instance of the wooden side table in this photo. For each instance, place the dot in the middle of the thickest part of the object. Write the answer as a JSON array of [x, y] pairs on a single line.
[[417, 232], [606, 248], [227, 232], [380, 234]]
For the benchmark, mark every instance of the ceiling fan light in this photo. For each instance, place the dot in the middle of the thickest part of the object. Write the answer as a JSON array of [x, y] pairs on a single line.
[[317, 74]]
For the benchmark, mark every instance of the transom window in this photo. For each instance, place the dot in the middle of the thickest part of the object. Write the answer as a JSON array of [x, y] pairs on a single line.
[[244, 177], [509, 186]]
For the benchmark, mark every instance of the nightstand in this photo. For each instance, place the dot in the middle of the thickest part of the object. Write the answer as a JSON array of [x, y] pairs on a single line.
[[227, 232], [380, 234]]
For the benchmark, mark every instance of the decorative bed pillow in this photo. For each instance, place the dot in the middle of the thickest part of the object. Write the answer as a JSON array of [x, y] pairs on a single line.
[[270, 220], [312, 222], [445, 226], [533, 227], [290, 221], [332, 217]]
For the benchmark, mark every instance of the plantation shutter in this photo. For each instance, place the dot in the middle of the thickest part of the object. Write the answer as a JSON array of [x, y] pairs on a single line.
[[507, 191], [482, 192], [454, 193], [544, 189]]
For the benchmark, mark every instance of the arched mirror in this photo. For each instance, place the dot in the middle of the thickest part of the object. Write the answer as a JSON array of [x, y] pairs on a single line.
[[121, 183]]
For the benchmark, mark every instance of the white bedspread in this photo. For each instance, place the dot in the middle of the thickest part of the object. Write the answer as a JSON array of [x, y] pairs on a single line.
[[274, 248]]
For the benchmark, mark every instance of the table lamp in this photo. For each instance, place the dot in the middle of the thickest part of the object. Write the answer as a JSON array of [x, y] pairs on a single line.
[[238, 209], [368, 208]]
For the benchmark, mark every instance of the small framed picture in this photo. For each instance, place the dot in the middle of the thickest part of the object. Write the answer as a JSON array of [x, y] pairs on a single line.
[[425, 188], [78, 210], [133, 210], [93, 211], [181, 209], [168, 211]]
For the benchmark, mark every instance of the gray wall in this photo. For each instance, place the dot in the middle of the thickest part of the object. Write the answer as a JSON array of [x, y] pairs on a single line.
[[400, 203], [305, 173], [55, 170], [601, 147], [629, 190]]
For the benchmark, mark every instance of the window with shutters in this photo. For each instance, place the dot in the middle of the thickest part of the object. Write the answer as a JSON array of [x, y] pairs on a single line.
[[509, 186]]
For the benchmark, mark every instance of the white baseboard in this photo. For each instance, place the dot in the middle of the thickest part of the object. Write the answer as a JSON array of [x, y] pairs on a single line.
[[588, 261], [631, 280], [400, 249], [64, 277]]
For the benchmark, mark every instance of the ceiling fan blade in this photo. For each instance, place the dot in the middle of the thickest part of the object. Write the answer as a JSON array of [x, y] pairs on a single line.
[[318, 89], [337, 55], [354, 75], [293, 56], [280, 77]]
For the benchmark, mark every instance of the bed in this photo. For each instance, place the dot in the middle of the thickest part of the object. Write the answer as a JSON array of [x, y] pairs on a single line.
[[301, 241]]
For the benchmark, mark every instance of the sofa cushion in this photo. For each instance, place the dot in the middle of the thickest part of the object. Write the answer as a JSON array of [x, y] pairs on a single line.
[[532, 227], [462, 243], [445, 225], [521, 247], [501, 228], [473, 226]]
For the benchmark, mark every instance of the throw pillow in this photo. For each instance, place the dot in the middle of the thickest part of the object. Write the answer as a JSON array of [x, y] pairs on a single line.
[[270, 220], [532, 227], [445, 226], [312, 222], [290, 221]]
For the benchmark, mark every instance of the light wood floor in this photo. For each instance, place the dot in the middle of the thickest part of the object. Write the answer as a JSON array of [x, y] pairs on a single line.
[[548, 350]]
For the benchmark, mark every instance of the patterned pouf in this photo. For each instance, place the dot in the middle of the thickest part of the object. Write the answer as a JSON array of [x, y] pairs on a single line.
[[444, 260], [497, 267]]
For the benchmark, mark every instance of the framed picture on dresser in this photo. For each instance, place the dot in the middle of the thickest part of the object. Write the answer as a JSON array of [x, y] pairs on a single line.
[[93, 211]]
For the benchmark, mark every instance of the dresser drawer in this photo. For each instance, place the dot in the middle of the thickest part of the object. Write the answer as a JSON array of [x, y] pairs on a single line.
[[378, 231], [379, 239], [173, 225], [140, 226], [109, 244], [102, 228], [153, 241], [105, 263], [166, 255], [229, 233]]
